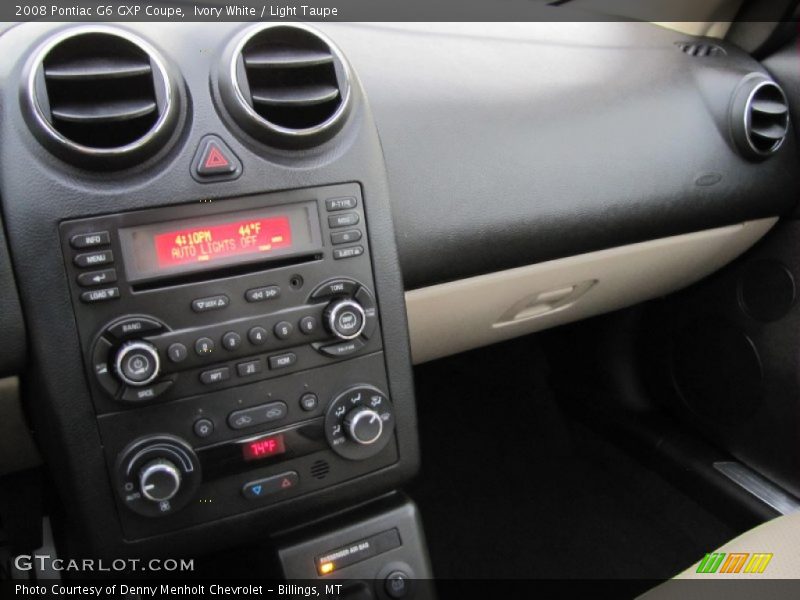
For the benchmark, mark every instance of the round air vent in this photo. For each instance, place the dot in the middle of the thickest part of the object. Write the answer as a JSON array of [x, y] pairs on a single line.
[[100, 97], [286, 85], [759, 117]]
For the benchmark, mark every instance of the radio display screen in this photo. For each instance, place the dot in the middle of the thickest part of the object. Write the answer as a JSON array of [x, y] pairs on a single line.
[[224, 239]]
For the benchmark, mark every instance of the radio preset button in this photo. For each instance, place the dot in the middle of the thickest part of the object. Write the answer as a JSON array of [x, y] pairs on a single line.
[[281, 361], [308, 325], [210, 303], [177, 352], [257, 336], [217, 375], [94, 259], [270, 485], [283, 330], [90, 240], [349, 252], [204, 346], [269, 292], [309, 402], [93, 278], [231, 340], [333, 204], [345, 237], [342, 348], [343, 220], [133, 325], [203, 427], [251, 367], [257, 415], [102, 295], [140, 394]]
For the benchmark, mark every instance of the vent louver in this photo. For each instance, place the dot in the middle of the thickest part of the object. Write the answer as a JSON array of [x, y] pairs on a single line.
[[700, 49], [290, 86], [760, 118], [101, 97]]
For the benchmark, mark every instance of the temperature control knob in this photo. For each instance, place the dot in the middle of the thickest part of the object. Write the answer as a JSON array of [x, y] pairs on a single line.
[[159, 480], [363, 425], [157, 475], [137, 363], [359, 422], [345, 319]]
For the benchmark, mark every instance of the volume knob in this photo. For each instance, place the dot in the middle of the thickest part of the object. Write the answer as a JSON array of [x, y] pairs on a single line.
[[137, 363]]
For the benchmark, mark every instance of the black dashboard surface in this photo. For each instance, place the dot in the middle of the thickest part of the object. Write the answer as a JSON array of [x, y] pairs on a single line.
[[508, 144], [490, 146]]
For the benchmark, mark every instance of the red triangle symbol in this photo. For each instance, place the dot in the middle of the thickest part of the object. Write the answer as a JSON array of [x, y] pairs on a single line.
[[286, 483], [215, 159]]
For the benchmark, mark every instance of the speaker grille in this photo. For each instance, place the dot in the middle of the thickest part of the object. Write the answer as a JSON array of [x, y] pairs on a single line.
[[320, 469]]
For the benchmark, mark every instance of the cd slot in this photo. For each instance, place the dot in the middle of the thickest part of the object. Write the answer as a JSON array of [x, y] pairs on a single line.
[[226, 271]]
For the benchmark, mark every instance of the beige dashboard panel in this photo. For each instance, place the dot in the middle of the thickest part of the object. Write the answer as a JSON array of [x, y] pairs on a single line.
[[453, 317]]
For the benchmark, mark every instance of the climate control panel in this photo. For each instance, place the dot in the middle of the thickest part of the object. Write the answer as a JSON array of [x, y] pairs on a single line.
[[179, 463]]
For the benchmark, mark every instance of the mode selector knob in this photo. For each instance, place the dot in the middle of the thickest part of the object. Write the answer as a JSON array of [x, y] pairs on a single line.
[[159, 480], [137, 363], [345, 319], [363, 425]]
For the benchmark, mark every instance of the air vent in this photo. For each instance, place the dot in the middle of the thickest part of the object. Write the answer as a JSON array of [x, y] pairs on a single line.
[[759, 117], [320, 469], [101, 97], [287, 85], [700, 49]]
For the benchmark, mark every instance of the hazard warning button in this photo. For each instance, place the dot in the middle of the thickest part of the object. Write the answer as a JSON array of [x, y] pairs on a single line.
[[215, 161]]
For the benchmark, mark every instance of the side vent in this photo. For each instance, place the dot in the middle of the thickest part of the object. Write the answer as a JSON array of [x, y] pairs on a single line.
[[700, 49], [320, 469], [101, 97], [759, 117], [287, 85]]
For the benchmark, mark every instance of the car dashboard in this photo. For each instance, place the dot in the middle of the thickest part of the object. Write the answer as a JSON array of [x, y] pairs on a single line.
[[226, 245]]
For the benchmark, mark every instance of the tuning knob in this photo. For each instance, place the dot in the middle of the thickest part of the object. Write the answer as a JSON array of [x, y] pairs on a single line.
[[363, 425], [159, 480], [345, 319], [137, 363]]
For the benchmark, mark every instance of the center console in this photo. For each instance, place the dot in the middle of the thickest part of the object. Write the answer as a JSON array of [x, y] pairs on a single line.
[[234, 352], [211, 280]]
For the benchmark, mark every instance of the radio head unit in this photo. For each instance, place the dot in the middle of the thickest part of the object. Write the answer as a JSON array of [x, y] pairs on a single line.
[[234, 352]]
